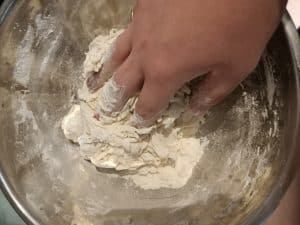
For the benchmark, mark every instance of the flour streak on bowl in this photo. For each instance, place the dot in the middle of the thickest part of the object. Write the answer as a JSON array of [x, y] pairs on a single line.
[[251, 135]]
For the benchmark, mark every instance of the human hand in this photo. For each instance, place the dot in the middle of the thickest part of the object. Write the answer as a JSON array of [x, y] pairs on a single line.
[[171, 42]]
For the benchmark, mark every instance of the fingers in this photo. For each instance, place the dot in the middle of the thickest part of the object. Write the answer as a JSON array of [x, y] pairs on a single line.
[[154, 95], [120, 50], [118, 53], [153, 100], [126, 82], [212, 90]]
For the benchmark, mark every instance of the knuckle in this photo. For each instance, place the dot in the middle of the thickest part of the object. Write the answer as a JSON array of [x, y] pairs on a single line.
[[156, 63], [159, 70]]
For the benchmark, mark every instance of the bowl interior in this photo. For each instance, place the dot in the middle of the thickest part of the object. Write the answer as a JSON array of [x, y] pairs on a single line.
[[43, 45]]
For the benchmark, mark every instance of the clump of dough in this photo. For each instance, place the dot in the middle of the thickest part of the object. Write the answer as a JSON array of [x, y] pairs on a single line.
[[161, 156]]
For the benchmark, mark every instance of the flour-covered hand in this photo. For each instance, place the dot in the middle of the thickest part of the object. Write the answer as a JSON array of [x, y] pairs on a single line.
[[171, 42]]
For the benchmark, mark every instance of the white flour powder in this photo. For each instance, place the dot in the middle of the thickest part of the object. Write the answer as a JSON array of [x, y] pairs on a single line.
[[162, 155]]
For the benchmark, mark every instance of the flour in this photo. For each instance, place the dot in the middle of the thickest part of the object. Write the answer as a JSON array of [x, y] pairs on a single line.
[[24, 58], [160, 156], [109, 96], [99, 50]]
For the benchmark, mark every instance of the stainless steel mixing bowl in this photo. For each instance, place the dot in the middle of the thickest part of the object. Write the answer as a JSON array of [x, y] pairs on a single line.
[[240, 178]]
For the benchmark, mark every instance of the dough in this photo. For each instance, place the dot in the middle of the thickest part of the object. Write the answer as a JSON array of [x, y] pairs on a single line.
[[161, 156]]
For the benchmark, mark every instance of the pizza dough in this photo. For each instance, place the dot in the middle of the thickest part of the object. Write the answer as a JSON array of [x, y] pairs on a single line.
[[161, 156]]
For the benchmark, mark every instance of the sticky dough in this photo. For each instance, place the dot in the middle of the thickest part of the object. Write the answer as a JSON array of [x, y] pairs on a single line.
[[161, 156]]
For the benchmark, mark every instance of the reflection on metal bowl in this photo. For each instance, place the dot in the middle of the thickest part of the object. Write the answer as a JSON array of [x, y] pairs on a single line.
[[239, 180]]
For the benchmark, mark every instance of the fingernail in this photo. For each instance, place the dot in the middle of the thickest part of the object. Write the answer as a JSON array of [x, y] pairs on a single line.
[[110, 97]]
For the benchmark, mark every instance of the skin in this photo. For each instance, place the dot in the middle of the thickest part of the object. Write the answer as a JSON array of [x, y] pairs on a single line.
[[171, 42], [288, 211]]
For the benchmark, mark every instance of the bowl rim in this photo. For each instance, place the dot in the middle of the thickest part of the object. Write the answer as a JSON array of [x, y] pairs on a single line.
[[291, 164], [269, 204], [5, 186]]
